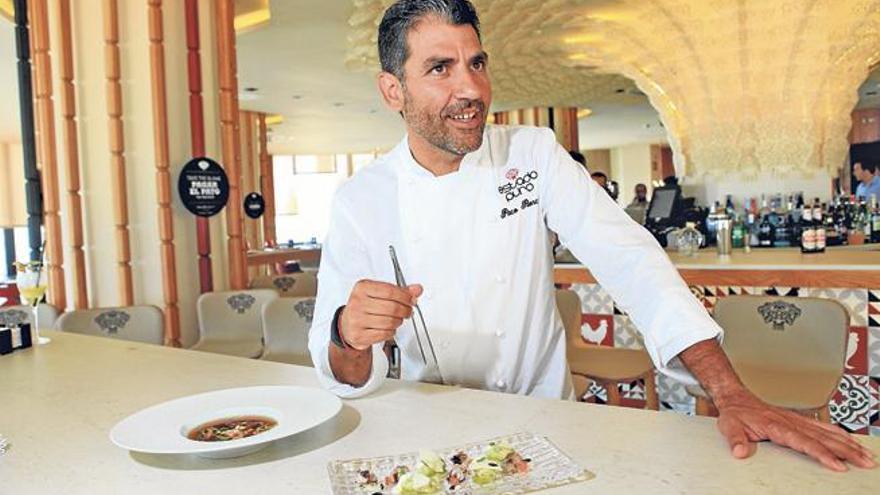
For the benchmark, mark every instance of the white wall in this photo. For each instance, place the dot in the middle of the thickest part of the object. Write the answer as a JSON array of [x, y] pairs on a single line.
[[711, 189], [140, 157], [630, 165]]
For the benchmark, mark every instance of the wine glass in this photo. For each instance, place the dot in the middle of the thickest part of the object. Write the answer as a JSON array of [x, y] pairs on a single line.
[[32, 286]]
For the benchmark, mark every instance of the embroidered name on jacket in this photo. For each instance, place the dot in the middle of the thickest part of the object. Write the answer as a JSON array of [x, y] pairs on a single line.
[[517, 184], [526, 203]]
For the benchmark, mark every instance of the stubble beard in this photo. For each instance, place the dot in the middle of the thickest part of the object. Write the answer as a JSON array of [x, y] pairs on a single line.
[[433, 128]]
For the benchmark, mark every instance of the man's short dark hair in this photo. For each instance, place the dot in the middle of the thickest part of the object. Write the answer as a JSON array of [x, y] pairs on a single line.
[[597, 174], [869, 167], [404, 14], [578, 157]]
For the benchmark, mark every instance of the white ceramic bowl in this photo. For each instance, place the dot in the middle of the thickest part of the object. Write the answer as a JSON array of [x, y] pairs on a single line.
[[163, 428]]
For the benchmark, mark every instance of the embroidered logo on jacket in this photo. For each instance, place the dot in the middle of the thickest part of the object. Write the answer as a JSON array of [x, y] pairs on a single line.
[[517, 184]]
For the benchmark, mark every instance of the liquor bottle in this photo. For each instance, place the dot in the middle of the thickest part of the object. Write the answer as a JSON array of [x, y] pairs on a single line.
[[766, 232], [737, 233], [820, 230], [832, 235], [751, 230], [728, 206], [875, 220], [783, 229], [808, 232], [840, 219]]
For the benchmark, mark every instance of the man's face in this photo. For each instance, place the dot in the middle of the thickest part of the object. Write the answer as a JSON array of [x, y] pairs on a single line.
[[641, 192], [857, 171], [601, 180], [446, 86]]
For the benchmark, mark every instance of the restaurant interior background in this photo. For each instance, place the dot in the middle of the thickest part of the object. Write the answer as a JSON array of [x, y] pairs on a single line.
[[731, 97]]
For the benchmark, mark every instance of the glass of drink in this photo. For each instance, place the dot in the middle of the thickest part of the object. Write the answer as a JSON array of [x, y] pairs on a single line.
[[32, 285]]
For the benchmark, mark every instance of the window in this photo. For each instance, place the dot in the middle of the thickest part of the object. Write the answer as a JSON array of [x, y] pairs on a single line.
[[304, 189]]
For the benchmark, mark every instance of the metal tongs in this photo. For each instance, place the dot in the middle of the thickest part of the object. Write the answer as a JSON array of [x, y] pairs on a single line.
[[401, 282]]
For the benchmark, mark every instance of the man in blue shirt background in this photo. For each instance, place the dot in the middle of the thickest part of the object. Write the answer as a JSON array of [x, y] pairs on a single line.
[[869, 182]]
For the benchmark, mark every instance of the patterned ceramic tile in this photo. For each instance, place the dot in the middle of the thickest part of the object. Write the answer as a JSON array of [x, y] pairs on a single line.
[[874, 351], [857, 352], [672, 391], [853, 401], [783, 291], [596, 394], [686, 408], [597, 329], [855, 301], [594, 300], [704, 295], [625, 334], [874, 303], [858, 429], [633, 390], [874, 415]]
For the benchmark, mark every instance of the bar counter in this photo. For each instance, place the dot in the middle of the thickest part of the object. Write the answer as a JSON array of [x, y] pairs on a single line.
[[59, 402], [845, 266], [848, 274]]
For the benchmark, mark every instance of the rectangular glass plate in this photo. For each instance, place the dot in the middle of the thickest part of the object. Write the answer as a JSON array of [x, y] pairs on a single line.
[[549, 467]]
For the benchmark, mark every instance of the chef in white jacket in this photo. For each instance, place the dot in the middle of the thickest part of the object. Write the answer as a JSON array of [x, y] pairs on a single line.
[[467, 208]]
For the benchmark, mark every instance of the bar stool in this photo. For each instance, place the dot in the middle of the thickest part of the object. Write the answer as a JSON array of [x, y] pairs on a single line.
[[607, 366], [135, 323], [789, 351], [302, 284]]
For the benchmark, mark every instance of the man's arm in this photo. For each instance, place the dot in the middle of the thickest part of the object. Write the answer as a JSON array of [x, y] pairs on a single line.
[[744, 419], [351, 366], [634, 269]]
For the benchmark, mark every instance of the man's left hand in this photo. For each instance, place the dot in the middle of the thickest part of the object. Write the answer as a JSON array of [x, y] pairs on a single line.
[[744, 420]]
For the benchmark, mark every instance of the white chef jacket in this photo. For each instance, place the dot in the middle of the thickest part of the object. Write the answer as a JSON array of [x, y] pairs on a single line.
[[478, 241]]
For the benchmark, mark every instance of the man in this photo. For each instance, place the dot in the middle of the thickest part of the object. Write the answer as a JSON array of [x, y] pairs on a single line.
[[600, 178], [641, 198], [869, 182], [467, 208]]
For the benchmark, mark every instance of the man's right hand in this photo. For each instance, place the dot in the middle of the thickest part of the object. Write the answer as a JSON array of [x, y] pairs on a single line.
[[374, 312]]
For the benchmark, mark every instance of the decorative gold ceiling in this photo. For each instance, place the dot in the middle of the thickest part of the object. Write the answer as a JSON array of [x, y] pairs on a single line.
[[742, 86]]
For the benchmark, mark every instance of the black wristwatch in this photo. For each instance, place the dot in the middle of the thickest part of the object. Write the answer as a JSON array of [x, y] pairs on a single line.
[[335, 337]]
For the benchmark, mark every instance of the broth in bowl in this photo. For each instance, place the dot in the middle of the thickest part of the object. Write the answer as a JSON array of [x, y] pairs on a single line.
[[226, 429]]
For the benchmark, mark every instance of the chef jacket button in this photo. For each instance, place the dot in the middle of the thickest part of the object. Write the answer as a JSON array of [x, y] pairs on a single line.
[[500, 384], [499, 333], [500, 279]]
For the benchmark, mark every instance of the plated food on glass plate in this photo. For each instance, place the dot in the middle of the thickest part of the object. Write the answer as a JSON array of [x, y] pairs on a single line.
[[519, 463]]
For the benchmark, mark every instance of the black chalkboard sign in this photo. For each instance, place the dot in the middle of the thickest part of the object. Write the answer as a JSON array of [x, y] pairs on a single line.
[[254, 205], [203, 187]]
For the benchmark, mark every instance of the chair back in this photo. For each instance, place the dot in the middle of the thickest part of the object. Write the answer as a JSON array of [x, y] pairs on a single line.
[[136, 323], [570, 311], [302, 284], [14, 316], [286, 323], [774, 342], [233, 315]]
